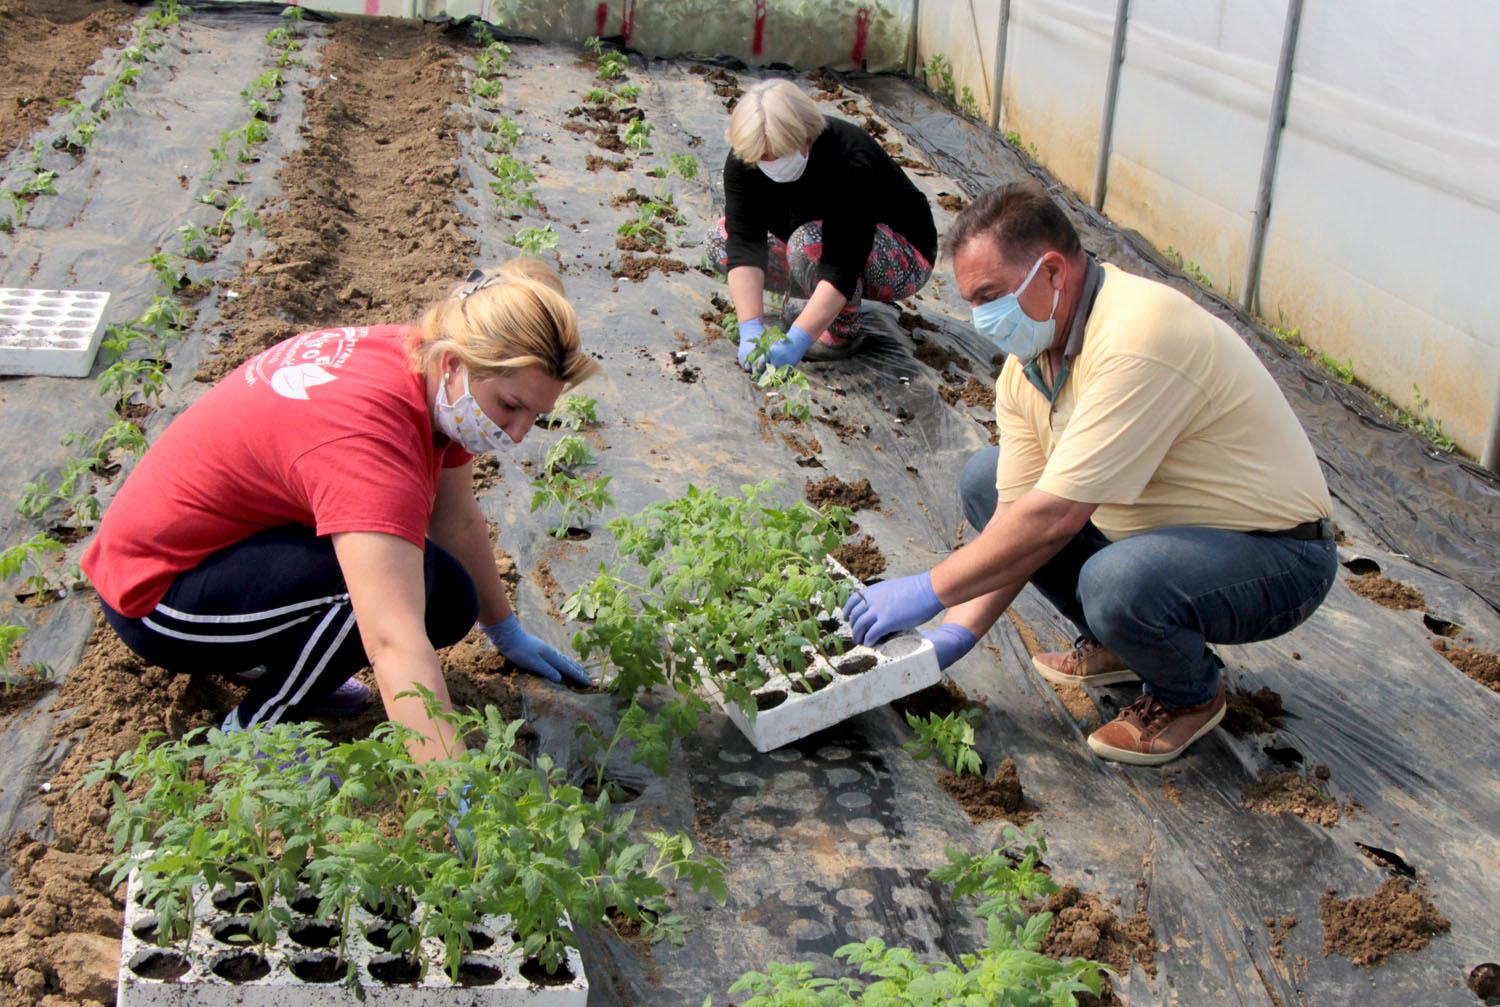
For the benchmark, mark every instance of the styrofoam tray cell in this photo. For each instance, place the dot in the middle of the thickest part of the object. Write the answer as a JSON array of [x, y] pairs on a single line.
[[50, 332], [306, 965], [829, 692]]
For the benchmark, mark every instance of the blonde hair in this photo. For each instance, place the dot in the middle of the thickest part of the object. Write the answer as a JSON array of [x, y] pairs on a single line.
[[773, 119], [517, 316]]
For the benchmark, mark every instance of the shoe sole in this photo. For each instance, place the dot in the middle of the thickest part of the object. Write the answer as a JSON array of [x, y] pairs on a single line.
[[1157, 758], [1102, 678]]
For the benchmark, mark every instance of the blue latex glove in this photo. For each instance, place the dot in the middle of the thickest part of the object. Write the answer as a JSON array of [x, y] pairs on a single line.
[[750, 331], [788, 351], [952, 642], [526, 651], [891, 606]]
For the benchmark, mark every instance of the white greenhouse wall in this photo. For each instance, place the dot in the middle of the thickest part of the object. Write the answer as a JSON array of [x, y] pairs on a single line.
[[1381, 244]]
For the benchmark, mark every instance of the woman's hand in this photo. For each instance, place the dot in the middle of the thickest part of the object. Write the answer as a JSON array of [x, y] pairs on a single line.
[[535, 655]]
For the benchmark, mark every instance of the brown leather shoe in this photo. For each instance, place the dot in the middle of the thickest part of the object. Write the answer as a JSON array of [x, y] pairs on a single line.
[[1088, 663], [1149, 734]]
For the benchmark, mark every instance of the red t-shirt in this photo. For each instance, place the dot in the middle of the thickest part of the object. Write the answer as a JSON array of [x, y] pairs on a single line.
[[328, 429]]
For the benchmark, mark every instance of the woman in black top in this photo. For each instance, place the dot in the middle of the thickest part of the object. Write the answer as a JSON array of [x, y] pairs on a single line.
[[812, 203]]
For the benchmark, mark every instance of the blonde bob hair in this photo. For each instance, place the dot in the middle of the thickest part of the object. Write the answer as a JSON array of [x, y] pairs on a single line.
[[515, 316], [773, 119]]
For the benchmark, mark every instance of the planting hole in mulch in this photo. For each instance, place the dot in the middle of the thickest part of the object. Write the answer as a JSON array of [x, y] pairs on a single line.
[[940, 357], [623, 925], [1283, 755], [1258, 712], [1441, 627], [831, 491], [314, 933], [241, 898], [1384, 591], [319, 967], [1388, 859], [145, 930], [987, 799], [235, 930], [1484, 982], [1368, 930], [472, 973], [943, 699], [1361, 566], [395, 969], [241, 967], [1306, 797], [1084, 926], [1480, 665], [636, 268], [536, 973], [578, 535], [769, 700], [856, 664], [167, 966], [863, 558]]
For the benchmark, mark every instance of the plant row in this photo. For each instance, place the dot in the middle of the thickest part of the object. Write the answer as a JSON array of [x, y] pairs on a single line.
[[262, 821], [576, 497]]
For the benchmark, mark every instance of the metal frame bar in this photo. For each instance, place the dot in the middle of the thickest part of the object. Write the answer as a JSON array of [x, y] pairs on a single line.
[[911, 38], [1280, 97], [1111, 93], [1002, 38]]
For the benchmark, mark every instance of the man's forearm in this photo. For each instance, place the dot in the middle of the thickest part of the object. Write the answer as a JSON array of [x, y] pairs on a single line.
[[1009, 550]]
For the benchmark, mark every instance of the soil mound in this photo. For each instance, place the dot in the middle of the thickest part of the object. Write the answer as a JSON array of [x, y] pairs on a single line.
[[1083, 926], [1480, 665], [1382, 590], [1307, 798], [973, 392], [1257, 712], [1368, 930], [986, 800], [637, 267], [831, 491], [863, 558]]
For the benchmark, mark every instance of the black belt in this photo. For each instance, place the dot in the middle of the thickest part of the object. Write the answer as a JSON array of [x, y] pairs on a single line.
[[1307, 531]]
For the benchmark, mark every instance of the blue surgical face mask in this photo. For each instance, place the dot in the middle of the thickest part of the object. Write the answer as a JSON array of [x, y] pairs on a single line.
[[1013, 330]]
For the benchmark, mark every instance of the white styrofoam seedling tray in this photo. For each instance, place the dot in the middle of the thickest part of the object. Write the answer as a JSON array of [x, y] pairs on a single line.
[[199, 986], [50, 332], [904, 663]]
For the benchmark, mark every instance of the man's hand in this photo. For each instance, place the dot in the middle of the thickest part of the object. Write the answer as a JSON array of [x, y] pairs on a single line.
[[751, 330], [526, 651], [891, 606], [952, 642]]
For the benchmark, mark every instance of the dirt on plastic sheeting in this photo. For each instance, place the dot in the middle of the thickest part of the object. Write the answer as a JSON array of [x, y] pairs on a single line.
[[638, 267], [1086, 926], [1367, 930], [990, 798], [1382, 590], [831, 491], [48, 50], [1480, 665], [973, 392], [1258, 712], [862, 558], [1305, 797]]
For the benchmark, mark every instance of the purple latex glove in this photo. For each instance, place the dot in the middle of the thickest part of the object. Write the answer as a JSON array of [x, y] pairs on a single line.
[[891, 606], [952, 642], [789, 350], [750, 331]]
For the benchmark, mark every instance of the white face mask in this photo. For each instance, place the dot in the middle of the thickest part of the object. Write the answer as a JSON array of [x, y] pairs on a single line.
[[785, 169], [464, 422]]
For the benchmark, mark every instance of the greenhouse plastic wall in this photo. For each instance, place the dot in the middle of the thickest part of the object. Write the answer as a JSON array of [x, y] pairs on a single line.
[[840, 34], [1386, 195]]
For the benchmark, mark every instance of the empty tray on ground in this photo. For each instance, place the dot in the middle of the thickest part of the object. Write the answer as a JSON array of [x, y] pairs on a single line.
[[50, 332]]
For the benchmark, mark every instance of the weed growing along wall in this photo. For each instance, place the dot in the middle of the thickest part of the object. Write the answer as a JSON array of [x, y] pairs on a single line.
[[1388, 186]]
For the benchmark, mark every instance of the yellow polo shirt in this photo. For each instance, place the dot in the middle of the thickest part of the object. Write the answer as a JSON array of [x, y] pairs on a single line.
[[1164, 419]]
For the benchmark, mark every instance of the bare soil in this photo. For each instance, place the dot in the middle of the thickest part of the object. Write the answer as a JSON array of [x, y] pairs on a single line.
[[1382, 590], [831, 491], [486, 469], [943, 699], [49, 46], [988, 799], [973, 392], [1084, 926], [593, 162], [863, 558], [1305, 797], [637, 267], [938, 357], [368, 199], [1368, 930], [1480, 665], [1279, 926], [1257, 712]]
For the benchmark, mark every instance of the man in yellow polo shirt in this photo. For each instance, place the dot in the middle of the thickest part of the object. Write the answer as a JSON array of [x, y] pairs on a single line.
[[1151, 481]]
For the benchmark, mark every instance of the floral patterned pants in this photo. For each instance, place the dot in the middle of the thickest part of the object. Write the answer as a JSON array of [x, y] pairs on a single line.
[[895, 269]]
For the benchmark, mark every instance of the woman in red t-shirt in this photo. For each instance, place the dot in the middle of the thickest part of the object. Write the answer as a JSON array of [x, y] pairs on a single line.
[[325, 487]]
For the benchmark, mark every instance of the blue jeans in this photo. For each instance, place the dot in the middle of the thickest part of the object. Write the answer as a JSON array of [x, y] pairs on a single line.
[[1158, 599]]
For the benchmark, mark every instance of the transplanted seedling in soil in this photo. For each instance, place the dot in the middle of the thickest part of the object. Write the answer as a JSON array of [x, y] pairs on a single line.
[[574, 412], [951, 737], [576, 498], [787, 389], [535, 240], [566, 455], [270, 816]]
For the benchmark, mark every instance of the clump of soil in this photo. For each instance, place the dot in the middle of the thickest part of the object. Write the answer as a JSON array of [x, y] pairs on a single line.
[[637, 267], [1368, 930], [399, 232], [542, 574], [486, 469], [1305, 797], [939, 357], [973, 392], [989, 799], [1083, 926], [943, 699], [48, 49], [831, 491], [639, 245], [1279, 926], [593, 162], [1382, 590], [1257, 712], [874, 127], [1480, 665], [826, 83], [950, 202], [911, 321], [1484, 981], [863, 558], [606, 138]]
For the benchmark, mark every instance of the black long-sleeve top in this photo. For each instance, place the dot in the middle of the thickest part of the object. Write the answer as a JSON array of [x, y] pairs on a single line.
[[850, 184]]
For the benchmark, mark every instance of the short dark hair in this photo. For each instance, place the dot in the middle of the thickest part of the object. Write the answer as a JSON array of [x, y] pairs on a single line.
[[1021, 217]]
